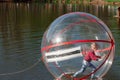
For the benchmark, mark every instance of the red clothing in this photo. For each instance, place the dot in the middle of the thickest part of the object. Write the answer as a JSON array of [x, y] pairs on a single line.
[[90, 55]]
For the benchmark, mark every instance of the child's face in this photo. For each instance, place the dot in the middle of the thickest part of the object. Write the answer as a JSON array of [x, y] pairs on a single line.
[[94, 46]]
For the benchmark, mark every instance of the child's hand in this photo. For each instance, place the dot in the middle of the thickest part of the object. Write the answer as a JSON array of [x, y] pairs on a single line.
[[102, 58]]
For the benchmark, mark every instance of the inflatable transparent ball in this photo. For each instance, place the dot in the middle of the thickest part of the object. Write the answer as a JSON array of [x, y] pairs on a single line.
[[68, 37]]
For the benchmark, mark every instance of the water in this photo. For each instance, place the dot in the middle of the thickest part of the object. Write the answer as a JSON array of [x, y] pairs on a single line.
[[22, 26]]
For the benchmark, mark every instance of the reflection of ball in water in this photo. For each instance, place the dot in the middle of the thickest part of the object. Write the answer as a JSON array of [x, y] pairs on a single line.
[[71, 34]]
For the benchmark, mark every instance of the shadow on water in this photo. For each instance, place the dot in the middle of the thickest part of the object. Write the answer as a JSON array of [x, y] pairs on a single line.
[[21, 29]]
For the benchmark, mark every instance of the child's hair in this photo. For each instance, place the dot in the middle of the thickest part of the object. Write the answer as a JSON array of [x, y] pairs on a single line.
[[96, 44]]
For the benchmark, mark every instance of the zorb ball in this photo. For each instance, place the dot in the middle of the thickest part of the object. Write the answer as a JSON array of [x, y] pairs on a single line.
[[71, 35]]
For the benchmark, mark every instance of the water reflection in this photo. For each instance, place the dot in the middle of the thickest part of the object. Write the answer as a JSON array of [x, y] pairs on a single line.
[[17, 35], [22, 26], [118, 21]]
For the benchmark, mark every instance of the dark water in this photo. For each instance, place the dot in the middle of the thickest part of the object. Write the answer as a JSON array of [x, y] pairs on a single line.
[[22, 26]]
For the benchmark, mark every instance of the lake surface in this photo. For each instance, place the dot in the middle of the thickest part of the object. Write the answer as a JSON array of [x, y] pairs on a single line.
[[21, 29]]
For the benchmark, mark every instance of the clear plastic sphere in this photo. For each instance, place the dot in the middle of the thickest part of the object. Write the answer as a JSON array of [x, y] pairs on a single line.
[[68, 37]]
